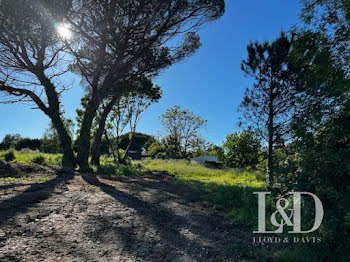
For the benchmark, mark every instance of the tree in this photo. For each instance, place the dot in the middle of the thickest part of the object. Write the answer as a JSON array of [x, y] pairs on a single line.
[[123, 40], [30, 143], [156, 150], [215, 150], [319, 161], [50, 140], [30, 50], [51, 132], [268, 105], [183, 128], [128, 107], [9, 141], [241, 150], [113, 42], [127, 113], [142, 95], [138, 142]]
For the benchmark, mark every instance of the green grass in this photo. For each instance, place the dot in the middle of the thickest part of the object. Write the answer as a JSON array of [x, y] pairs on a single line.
[[8, 180], [108, 167], [228, 189], [190, 171], [31, 156]]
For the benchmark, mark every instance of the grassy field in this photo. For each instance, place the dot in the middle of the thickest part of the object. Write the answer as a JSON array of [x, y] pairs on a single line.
[[108, 167], [229, 189], [33, 156]]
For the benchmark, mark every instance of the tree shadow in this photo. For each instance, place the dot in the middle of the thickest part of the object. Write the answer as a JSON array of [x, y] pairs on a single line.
[[9, 186], [223, 197], [168, 226], [32, 196]]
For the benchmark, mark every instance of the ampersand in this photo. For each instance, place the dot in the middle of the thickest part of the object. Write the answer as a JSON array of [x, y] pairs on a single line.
[[285, 219]]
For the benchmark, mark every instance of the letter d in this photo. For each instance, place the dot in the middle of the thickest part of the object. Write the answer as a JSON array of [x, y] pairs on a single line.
[[297, 212]]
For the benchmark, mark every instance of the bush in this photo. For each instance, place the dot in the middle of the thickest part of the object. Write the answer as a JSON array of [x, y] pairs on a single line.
[[155, 150], [28, 143], [39, 160], [9, 156], [108, 169], [50, 146]]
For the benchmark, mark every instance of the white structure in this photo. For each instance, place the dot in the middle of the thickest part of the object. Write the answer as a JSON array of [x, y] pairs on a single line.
[[204, 159]]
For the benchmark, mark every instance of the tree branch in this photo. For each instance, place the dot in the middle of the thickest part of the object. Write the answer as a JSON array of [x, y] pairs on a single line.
[[25, 93]]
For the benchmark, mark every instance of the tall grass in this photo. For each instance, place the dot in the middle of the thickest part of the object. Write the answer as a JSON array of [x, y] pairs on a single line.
[[32, 156], [108, 167]]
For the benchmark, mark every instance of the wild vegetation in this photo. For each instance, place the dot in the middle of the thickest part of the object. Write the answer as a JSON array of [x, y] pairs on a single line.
[[294, 117], [229, 189]]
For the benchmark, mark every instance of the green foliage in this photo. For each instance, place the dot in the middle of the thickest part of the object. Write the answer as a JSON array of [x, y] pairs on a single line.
[[156, 150], [45, 145], [317, 158], [214, 150], [9, 141], [50, 146], [28, 143], [109, 168], [241, 150], [183, 128], [9, 156], [300, 104], [261, 167], [9, 179], [270, 102], [172, 146], [138, 142], [27, 156], [39, 159]]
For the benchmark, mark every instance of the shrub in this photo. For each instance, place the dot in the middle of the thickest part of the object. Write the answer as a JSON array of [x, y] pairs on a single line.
[[128, 170], [28, 143], [9, 156], [50, 146], [108, 169], [155, 149], [40, 159]]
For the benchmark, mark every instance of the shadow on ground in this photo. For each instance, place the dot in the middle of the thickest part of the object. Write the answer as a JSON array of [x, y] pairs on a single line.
[[92, 218]]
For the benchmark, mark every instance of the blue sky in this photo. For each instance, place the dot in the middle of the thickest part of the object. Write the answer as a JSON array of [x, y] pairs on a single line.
[[210, 83]]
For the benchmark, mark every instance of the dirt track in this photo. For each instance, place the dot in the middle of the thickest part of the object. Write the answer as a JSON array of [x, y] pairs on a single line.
[[87, 218]]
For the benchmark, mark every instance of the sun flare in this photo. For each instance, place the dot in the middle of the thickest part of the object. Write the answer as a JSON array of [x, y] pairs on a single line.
[[63, 30]]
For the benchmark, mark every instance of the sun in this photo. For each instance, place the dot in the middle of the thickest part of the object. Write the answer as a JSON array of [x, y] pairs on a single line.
[[63, 30]]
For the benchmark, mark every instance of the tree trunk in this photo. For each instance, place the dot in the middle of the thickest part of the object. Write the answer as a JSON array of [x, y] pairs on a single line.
[[54, 113], [270, 162], [128, 146], [111, 147], [65, 141], [96, 148], [84, 136]]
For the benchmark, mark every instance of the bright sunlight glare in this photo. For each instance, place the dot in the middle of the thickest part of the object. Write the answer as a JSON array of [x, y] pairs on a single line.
[[63, 30]]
